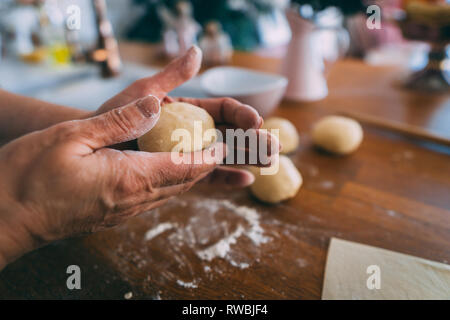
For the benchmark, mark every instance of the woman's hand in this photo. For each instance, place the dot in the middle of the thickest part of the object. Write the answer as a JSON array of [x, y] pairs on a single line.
[[67, 180], [227, 112], [64, 181]]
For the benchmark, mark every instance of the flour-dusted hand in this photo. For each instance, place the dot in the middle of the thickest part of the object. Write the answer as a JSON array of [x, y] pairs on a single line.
[[65, 177], [64, 181], [226, 112]]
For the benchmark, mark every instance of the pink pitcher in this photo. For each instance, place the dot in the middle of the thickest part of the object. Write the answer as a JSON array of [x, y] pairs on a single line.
[[311, 50]]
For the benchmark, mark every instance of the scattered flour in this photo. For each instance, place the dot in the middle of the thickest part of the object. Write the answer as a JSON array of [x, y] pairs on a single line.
[[191, 284], [241, 265], [253, 230], [212, 232], [392, 213], [301, 262], [256, 233], [157, 297], [152, 233], [221, 248], [128, 295], [327, 185], [313, 171]]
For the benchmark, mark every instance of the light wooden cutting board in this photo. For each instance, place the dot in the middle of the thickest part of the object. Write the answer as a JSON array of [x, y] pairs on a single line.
[[361, 272]]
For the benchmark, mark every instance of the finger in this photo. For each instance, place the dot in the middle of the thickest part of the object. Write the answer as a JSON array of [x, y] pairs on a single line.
[[175, 74], [255, 147], [120, 124], [167, 99], [231, 177], [174, 190], [125, 213], [172, 168], [245, 158], [156, 195], [271, 142], [267, 142], [228, 110]]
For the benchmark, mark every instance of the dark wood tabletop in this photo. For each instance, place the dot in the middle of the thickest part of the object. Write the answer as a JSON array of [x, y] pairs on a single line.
[[393, 193]]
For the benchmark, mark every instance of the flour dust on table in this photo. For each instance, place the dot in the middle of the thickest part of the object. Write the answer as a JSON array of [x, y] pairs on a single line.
[[201, 239]]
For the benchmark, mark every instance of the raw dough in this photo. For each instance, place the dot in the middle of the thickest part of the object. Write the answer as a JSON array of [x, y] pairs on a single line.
[[337, 134], [288, 134], [179, 115], [282, 185]]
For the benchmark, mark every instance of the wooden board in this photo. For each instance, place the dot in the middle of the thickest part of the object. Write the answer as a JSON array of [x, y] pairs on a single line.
[[361, 272]]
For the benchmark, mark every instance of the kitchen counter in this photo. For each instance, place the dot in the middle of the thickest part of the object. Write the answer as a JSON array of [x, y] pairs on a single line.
[[209, 243]]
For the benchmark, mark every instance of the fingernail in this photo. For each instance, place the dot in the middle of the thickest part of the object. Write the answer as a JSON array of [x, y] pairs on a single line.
[[250, 178], [280, 146], [261, 122], [149, 106], [275, 141], [218, 152], [195, 49]]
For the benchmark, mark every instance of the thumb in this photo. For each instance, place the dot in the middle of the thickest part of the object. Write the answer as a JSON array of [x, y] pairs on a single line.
[[166, 169], [120, 124]]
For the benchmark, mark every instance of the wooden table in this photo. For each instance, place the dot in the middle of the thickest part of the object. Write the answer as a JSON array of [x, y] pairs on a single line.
[[392, 193]]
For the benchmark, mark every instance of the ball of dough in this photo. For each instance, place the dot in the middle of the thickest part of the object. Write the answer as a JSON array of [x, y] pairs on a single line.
[[288, 134], [282, 185], [179, 115], [337, 134]]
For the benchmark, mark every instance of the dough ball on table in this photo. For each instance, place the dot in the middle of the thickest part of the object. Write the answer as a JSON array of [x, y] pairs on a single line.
[[282, 185], [288, 134], [336, 134], [179, 115]]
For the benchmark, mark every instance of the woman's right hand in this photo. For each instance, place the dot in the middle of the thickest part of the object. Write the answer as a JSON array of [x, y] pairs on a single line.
[[65, 181]]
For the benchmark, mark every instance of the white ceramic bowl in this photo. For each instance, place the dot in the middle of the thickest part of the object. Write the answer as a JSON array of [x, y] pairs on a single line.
[[261, 90]]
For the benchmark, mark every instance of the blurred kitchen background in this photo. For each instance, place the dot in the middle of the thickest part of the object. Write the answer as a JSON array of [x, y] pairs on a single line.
[[58, 50]]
